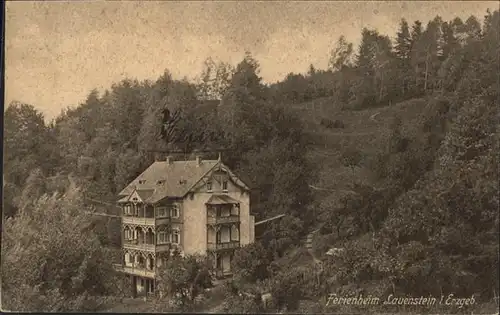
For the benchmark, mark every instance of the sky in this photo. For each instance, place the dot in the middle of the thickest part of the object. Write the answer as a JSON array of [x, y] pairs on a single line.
[[57, 52]]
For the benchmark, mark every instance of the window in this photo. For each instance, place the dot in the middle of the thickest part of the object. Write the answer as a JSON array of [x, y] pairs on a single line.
[[128, 209], [142, 181], [151, 286], [160, 182], [161, 212], [235, 233], [176, 237], [130, 260], [174, 211], [218, 237], [209, 186], [162, 237], [219, 262], [224, 185], [235, 210]]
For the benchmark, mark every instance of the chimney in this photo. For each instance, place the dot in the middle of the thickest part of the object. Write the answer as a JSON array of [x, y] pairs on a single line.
[[169, 159], [198, 160]]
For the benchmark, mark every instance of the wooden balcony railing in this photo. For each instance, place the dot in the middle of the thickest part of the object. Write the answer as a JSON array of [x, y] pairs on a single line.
[[222, 220], [220, 246], [134, 244], [138, 220], [148, 221], [137, 271]]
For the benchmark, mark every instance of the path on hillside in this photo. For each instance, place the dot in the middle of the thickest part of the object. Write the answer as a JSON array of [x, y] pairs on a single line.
[[308, 244]]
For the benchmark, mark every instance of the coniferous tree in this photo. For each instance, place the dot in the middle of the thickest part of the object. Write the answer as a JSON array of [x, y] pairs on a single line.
[[403, 53]]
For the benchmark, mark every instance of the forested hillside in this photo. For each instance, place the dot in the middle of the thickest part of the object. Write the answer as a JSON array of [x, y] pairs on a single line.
[[391, 153]]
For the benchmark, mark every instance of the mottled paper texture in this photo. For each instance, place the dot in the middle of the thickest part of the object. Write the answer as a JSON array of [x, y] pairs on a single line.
[[305, 157]]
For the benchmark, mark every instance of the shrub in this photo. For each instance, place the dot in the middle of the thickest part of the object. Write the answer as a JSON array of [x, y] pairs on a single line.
[[332, 124]]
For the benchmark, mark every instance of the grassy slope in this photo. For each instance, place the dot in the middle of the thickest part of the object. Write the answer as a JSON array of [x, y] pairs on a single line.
[[365, 130]]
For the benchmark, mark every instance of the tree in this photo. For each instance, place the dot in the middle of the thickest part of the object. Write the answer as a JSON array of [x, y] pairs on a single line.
[[51, 255], [335, 216], [184, 278], [403, 53], [428, 50], [34, 188], [25, 142], [341, 55], [417, 55], [282, 235], [374, 65], [250, 263], [352, 158], [245, 91], [126, 102], [214, 80], [286, 290], [473, 28]]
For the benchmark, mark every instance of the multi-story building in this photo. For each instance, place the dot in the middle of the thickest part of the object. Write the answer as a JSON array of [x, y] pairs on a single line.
[[197, 206]]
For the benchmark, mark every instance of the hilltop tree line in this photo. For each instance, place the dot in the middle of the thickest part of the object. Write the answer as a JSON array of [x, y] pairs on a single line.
[[420, 60], [432, 221]]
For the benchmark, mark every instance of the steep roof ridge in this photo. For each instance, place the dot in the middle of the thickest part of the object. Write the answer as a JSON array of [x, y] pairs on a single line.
[[201, 177]]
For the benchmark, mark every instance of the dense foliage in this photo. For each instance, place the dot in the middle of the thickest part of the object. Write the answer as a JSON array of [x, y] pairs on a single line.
[[52, 260]]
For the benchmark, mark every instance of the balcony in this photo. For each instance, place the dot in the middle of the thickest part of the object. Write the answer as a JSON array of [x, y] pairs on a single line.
[[136, 271], [138, 220], [163, 220], [222, 246], [223, 220], [134, 244]]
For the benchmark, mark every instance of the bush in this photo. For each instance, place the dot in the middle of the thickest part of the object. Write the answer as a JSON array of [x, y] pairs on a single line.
[[322, 243], [332, 124]]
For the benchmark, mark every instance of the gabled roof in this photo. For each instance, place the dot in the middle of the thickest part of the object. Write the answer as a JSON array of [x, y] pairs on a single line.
[[221, 200], [143, 194], [164, 179]]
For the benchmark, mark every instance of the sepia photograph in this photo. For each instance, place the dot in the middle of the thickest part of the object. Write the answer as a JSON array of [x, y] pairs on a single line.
[[255, 157]]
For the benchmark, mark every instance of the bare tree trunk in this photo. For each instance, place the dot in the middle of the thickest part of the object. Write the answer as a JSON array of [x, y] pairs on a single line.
[[381, 87], [416, 77], [426, 72]]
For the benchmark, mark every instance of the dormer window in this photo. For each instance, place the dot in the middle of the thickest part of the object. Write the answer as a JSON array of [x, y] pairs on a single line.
[[209, 186]]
